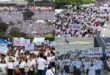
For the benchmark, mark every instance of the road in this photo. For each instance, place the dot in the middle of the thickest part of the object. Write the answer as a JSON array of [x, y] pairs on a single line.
[[74, 44]]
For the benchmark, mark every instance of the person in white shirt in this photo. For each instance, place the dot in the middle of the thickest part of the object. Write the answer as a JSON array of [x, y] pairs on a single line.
[[66, 66], [92, 68], [22, 66], [86, 64], [78, 65], [108, 66], [51, 69], [99, 65], [16, 63], [3, 67], [10, 66], [32, 64], [41, 64]]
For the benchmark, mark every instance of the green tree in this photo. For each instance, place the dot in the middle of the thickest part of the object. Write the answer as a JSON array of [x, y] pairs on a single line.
[[15, 32], [87, 1], [60, 3], [3, 28], [27, 14]]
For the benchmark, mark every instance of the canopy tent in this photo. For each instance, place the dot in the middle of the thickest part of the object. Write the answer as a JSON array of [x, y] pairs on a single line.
[[3, 42]]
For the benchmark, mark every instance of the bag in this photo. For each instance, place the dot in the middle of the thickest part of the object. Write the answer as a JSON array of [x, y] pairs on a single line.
[[31, 68], [53, 72], [35, 72]]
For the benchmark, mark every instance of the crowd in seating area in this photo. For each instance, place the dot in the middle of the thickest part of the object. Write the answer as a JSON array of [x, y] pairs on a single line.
[[15, 16], [81, 21]]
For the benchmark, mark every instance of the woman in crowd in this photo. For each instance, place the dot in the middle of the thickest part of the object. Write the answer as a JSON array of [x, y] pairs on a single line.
[[22, 66], [10, 66], [3, 67], [41, 64], [51, 69], [92, 68], [86, 64], [32, 64], [108, 66]]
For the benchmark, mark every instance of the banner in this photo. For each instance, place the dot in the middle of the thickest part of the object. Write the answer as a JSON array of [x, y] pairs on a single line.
[[21, 42], [3, 49], [76, 27], [108, 45], [92, 52], [27, 42], [29, 47], [107, 52], [16, 42]]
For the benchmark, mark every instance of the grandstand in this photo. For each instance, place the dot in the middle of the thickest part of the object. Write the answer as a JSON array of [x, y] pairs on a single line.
[[12, 11]]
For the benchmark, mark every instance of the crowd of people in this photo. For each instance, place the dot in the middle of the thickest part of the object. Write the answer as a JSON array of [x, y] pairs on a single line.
[[14, 15], [89, 20], [18, 61], [82, 66]]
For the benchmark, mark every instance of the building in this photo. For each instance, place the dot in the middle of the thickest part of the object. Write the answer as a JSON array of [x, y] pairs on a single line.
[[13, 2]]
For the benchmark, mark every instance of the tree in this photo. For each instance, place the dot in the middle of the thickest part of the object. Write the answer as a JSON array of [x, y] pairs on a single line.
[[3, 28], [15, 32], [60, 3], [87, 1], [27, 14]]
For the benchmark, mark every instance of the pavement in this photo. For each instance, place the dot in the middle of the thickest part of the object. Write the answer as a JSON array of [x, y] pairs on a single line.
[[74, 44]]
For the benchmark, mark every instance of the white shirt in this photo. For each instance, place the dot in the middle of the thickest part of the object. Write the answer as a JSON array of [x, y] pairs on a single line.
[[10, 65], [31, 62], [78, 64], [41, 63], [22, 64], [49, 72], [86, 65], [16, 63], [99, 64], [3, 68], [92, 70]]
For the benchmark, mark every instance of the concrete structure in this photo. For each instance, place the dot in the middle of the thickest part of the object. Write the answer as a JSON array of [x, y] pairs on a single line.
[[13, 2]]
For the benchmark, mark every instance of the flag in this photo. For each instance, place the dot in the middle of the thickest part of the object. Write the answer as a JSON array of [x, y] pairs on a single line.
[[66, 40], [34, 7]]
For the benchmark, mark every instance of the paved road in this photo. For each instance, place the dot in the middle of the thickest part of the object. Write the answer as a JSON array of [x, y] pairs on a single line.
[[74, 43]]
